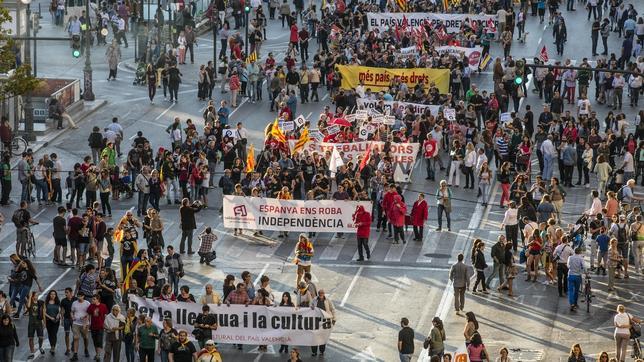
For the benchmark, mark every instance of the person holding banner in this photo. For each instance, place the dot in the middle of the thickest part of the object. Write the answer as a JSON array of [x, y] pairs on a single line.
[[322, 302], [182, 350]]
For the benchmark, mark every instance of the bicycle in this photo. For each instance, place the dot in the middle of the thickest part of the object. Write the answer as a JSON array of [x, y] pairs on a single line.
[[588, 293], [637, 347], [28, 249], [17, 147]]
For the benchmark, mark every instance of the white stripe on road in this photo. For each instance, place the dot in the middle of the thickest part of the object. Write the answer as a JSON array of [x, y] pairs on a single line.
[[353, 283], [430, 244], [164, 112], [50, 286], [259, 275], [371, 246], [332, 251]]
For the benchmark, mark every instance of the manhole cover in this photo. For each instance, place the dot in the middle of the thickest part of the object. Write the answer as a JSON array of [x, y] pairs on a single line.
[[438, 256]]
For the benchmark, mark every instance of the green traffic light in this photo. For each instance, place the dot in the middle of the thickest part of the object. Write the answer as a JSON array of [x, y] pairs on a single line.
[[76, 53], [518, 80]]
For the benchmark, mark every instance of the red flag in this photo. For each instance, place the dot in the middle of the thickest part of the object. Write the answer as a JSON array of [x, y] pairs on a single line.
[[405, 22], [543, 54], [365, 158]]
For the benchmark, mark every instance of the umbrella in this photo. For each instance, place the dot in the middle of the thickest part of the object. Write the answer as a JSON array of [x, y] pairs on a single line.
[[341, 122]]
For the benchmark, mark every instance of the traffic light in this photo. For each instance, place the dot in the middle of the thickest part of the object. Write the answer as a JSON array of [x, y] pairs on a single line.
[[247, 9], [76, 45]]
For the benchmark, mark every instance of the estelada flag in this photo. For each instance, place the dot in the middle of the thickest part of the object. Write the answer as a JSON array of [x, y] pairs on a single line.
[[250, 159], [543, 54], [252, 57], [445, 4]]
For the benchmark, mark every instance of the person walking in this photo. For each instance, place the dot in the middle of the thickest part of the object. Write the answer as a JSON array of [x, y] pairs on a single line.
[[151, 79], [303, 257], [324, 303], [623, 322], [52, 313], [112, 58], [561, 254], [498, 257], [174, 266], [435, 341], [362, 222], [188, 224], [479, 264], [444, 205], [398, 210], [575, 268], [405, 340], [419, 214], [459, 275], [114, 324], [174, 78]]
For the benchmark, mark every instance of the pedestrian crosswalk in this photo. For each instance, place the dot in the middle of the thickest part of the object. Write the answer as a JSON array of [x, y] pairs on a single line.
[[329, 248]]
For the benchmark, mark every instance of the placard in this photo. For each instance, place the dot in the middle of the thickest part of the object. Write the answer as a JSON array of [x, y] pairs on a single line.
[[505, 117], [333, 129], [450, 114], [389, 120], [230, 133], [287, 126], [300, 121]]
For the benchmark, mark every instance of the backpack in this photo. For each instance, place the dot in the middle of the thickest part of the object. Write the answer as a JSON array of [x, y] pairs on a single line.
[[620, 193], [18, 217]]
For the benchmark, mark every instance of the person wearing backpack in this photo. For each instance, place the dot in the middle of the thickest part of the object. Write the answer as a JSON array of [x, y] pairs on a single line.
[[620, 231]]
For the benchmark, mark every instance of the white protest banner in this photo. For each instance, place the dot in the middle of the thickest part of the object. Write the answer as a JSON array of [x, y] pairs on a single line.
[[450, 114], [505, 117], [242, 324], [452, 22], [412, 50], [403, 154], [473, 54], [333, 129], [287, 126], [370, 128], [388, 105], [261, 213], [299, 121], [378, 119]]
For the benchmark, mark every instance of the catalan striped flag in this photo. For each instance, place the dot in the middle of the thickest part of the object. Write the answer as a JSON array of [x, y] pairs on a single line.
[[276, 132], [252, 57], [445, 5], [250, 159], [304, 138], [402, 5]]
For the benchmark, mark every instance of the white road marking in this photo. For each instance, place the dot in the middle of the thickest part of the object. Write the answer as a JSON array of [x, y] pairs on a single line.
[[50, 286], [332, 251], [259, 275], [164, 112], [353, 283]]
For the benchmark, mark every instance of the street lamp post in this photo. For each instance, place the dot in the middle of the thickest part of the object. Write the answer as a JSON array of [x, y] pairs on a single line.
[[29, 107], [246, 11], [215, 26], [88, 94]]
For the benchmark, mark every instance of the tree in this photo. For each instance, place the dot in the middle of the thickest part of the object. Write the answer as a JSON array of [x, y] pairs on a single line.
[[19, 80]]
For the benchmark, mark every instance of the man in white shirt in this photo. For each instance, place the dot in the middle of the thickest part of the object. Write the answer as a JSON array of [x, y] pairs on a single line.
[[583, 107], [120, 34], [118, 130], [549, 157], [628, 165], [113, 324], [80, 324], [618, 88]]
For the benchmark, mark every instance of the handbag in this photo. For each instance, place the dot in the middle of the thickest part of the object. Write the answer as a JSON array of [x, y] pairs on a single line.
[[447, 204]]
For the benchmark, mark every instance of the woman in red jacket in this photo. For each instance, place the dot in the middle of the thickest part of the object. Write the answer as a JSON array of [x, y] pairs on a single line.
[[397, 212], [362, 221], [419, 216]]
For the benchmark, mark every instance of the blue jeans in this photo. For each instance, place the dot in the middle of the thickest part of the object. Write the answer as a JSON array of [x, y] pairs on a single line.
[[129, 348], [165, 356], [42, 190], [25, 195], [21, 292], [574, 283], [173, 280], [405, 357], [548, 166], [142, 204], [6, 353]]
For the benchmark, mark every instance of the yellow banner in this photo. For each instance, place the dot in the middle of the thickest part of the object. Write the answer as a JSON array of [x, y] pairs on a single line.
[[379, 78]]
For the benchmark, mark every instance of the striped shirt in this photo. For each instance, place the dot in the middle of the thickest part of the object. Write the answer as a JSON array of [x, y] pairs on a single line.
[[502, 146]]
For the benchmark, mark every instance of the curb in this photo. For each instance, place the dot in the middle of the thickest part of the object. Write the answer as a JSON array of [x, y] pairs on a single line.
[[80, 117]]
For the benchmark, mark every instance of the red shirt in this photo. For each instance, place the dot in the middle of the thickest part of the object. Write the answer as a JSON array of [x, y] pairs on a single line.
[[97, 313], [364, 219]]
